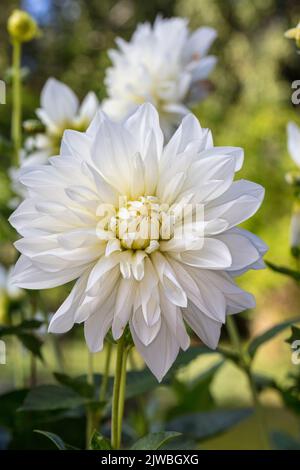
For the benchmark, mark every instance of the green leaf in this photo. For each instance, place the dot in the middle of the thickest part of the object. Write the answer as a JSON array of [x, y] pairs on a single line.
[[228, 354], [57, 441], [140, 382], [21, 328], [295, 335], [32, 343], [9, 403], [268, 335], [283, 441], [23, 331], [204, 425], [52, 397], [195, 395], [185, 357], [78, 384], [262, 382], [99, 442], [283, 270], [154, 441]]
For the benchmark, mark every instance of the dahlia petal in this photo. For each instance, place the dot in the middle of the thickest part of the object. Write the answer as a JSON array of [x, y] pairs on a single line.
[[98, 324], [89, 107], [172, 289], [112, 153], [75, 143], [29, 276], [58, 101], [204, 68], [207, 329], [123, 307], [214, 254], [199, 42], [140, 124], [237, 204], [64, 319], [145, 332], [160, 354], [242, 251]]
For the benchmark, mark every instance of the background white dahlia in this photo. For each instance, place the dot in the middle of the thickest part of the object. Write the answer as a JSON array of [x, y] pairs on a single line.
[[157, 281], [163, 64], [60, 110]]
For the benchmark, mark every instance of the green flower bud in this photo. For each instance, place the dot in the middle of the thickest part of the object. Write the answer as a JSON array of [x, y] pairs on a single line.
[[22, 27]]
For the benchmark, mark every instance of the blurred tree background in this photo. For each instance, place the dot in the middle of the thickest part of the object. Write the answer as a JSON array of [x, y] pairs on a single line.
[[249, 106]]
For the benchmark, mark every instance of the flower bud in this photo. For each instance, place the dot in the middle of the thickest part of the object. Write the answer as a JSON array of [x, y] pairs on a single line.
[[295, 232], [294, 33], [22, 27]]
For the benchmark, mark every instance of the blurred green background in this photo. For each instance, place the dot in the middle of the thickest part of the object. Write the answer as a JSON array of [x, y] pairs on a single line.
[[249, 106]]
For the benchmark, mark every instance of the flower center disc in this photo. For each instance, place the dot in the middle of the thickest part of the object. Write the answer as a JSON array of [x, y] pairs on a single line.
[[138, 223]]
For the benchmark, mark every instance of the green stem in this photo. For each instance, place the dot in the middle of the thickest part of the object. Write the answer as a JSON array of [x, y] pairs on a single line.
[[260, 415], [234, 336], [104, 383], [245, 364], [89, 411], [141, 402], [90, 376], [122, 391], [16, 126], [118, 394], [59, 358]]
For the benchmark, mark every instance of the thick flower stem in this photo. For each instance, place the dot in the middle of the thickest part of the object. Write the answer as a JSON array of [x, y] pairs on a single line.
[[122, 391], [246, 366], [89, 411], [16, 125], [119, 393]]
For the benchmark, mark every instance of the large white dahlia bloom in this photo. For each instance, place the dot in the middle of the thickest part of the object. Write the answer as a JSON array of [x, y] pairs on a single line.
[[147, 229], [163, 64]]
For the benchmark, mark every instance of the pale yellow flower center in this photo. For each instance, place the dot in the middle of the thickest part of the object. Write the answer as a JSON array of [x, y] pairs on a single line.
[[141, 223]]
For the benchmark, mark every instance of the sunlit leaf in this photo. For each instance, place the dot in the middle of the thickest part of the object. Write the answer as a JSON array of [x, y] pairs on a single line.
[[283, 270], [99, 442], [258, 341], [57, 440], [52, 397], [295, 335]]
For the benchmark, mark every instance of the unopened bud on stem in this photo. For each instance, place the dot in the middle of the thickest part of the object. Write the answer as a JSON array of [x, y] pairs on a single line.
[[22, 27]]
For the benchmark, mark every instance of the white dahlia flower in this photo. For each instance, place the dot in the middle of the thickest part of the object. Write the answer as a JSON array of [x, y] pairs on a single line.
[[6, 287], [163, 64], [60, 110], [147, 229]]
